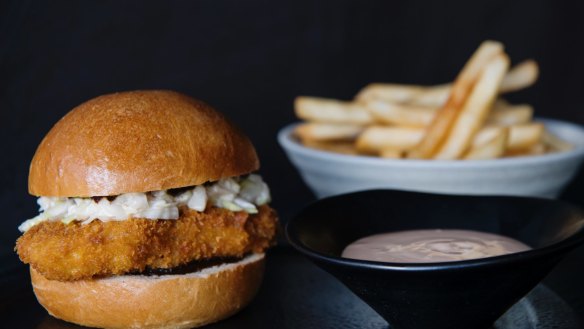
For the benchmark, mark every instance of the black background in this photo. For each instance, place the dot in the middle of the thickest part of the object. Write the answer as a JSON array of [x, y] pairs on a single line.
[[249, 59]]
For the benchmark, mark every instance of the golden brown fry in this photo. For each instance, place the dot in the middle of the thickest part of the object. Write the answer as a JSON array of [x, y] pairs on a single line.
[[331, 111], [395, 93], [520, 76], [489, 145], [401, 114], [327, 132], [67, 252], [502, 113], [554, 143], [522, 137], [336, 147], [485, 135], [474, 112], [432, 96], [507, 114], [536, 149], [377, 138], [442, 122], [391, 153]]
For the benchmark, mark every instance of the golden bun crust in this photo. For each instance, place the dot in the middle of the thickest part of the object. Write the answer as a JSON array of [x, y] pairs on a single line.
[[171, 301], [138, 141]]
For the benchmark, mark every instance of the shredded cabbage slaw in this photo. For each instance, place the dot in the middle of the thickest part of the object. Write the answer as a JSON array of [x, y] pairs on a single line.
[[235, 194]]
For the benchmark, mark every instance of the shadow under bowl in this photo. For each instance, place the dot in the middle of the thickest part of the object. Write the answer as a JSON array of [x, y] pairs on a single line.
[[464, 294]]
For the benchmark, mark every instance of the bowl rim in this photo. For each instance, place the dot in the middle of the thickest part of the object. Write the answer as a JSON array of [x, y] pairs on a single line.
[[564, 245], [289, 143]]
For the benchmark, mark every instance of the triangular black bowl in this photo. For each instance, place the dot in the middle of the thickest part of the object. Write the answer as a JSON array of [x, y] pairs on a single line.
[[465, 294]]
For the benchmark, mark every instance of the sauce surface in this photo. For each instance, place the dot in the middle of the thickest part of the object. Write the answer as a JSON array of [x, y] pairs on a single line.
[[429, 246]]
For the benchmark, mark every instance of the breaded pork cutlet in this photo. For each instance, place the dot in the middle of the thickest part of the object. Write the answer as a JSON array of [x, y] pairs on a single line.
[[77, 251]]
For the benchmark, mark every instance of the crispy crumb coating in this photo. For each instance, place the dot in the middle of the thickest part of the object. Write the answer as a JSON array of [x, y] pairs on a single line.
[[68, 252]]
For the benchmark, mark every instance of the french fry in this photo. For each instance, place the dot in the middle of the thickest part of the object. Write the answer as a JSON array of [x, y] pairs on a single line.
[[376, 138], [486, 134], [475, 110], [403, 94], [391, 153], [442, 122], [505, 114], [536, 149], [522, 137], [519, 77], [331, 111], [502, 113], [395, 93], [432, 96], [489, 145], [401, 114], [336, 147], [327, 132], [554, 143]]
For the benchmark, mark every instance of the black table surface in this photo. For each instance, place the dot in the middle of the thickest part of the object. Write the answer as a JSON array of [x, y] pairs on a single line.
[[297, 294]]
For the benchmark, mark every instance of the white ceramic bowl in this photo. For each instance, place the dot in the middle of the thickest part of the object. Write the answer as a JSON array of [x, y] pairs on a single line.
[[328, 173]]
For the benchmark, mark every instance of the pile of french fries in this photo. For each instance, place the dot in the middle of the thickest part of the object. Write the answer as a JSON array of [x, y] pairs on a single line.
[[464, 120]]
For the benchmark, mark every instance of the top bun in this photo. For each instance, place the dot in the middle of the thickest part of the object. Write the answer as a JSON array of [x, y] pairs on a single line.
[[138, 141]]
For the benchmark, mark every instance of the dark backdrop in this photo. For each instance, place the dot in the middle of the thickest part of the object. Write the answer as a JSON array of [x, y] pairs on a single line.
[[250, 59]]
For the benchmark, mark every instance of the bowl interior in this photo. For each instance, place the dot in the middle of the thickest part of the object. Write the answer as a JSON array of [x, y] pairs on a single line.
[[329, 225]]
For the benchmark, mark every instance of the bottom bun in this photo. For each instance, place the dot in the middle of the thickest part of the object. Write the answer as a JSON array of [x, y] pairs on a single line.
[[166, 301]]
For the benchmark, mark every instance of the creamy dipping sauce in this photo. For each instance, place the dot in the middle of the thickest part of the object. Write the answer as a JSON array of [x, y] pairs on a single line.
[[428, 246]]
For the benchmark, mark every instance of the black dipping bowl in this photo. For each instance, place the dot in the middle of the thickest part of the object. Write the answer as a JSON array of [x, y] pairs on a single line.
[[464, 294]]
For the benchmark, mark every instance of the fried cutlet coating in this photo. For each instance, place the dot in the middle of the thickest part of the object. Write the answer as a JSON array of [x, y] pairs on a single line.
[[68, 252]]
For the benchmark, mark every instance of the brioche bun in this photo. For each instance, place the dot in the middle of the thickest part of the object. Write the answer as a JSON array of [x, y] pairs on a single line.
[[168, 301], [138, 141]]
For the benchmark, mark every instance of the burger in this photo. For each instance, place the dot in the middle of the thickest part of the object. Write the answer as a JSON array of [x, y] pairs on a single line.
[[151, 214]]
